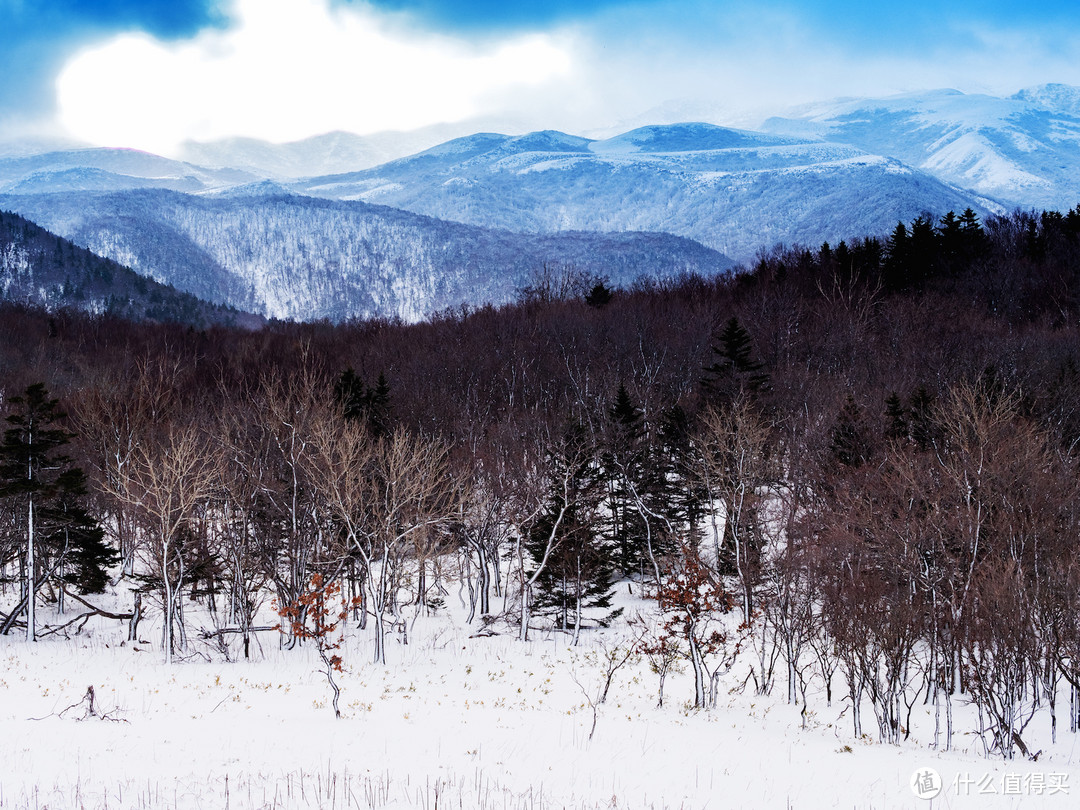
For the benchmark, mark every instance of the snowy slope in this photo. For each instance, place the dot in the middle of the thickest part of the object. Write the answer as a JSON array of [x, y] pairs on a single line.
[[733, 190], [456, 720], [41, 270], [1024, 150], [90, 179], [292, 257]]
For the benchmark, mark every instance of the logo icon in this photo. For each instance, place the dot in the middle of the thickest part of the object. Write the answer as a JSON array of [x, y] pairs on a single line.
[[926, 783]]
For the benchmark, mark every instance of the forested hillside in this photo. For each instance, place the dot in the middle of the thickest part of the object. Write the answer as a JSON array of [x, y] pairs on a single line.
[[40, 269], [285, 256], [864, 453]]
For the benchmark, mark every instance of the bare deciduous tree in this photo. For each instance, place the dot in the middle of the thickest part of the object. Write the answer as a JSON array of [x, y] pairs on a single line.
[[164, 480], [384, 494]]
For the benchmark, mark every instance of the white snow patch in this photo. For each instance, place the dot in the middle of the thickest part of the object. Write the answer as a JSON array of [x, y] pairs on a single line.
[[456, 721]]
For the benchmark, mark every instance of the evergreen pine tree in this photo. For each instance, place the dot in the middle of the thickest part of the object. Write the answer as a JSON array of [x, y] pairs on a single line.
[[360, 402], [579, 571], [624, 463], [379, 407], [843, 260], [896, 423], [680, 493], [924, 263], [56, 537], [351, 395], [923, 428], [850, 444], [897, 269], [735, 371], [599, 296], [76, 538]]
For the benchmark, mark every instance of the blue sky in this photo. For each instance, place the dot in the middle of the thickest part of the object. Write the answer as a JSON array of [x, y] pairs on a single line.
[[151, 73]]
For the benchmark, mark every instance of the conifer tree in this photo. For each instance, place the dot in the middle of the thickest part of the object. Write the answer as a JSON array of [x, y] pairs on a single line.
[[378, 414], [363, 403], [599, 296], [924, 263], [897, 270], [578, 574], [679, 490], [735, 371], [623, 462], [923, 427], [896, 423], [850, 444], [55, 535]]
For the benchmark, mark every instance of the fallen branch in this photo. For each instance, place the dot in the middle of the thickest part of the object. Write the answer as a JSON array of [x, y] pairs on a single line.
[[98, 611], [204, 633], [85, 617]]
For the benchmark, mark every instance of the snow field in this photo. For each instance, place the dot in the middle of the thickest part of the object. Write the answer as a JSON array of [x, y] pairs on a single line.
[[456, 722]]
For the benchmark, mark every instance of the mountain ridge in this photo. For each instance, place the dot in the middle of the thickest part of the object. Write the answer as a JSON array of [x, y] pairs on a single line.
[[289, 256], [41, 269], [736, 191]]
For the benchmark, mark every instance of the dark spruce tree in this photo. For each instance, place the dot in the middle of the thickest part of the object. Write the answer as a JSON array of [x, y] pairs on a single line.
[[599, 296], [850, 443], [925, 260], [628, 490], [680, 492], [735, 372], [577, 579], [896, 421], [351, 395], [922, 428], [82, 555], [52, 534], [360, 402], [896, 275]]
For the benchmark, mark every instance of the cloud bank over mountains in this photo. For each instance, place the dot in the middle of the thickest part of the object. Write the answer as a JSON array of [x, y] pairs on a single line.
[[152, 74]]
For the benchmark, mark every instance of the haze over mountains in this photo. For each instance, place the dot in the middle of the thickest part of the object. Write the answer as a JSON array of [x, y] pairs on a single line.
[[241, 222]]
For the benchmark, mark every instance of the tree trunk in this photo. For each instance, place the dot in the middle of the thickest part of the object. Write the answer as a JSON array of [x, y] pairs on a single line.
[[484, 583], [136, 614], [526, 606], [698, 665], [31, 585], [577, 605]]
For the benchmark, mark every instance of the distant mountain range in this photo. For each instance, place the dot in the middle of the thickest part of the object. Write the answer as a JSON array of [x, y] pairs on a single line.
[[290, 230], [93, 169], [292, 257], [735, 191], [1023, 150], [333, 152]]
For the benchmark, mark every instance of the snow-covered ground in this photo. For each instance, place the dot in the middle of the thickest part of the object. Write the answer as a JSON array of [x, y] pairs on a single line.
[[457, 721]]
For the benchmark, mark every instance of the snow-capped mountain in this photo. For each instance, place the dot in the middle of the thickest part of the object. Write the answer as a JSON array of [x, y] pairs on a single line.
[[287, 256], [733, 190], [332, 153], [1023, 150], [824, 172], [110, 170], [28, 145]]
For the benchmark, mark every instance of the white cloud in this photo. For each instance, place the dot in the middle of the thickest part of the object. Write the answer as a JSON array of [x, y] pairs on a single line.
[[288, 69]]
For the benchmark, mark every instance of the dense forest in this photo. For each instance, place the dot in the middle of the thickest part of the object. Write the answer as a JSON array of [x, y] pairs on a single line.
[[41, 269], [858, 462]]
